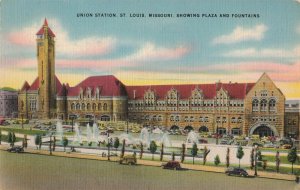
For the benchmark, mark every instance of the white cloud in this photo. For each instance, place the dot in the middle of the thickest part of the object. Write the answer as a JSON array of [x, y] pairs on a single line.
[[151, 52], [64, 45], [267, 52], [240, 34]]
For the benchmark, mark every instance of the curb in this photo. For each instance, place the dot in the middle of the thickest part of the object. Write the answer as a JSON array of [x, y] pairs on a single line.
[[140, 162]]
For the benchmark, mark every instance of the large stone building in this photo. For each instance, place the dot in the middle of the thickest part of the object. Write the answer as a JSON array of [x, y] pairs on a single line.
[[232, 108], [292, 118], [8, 103]]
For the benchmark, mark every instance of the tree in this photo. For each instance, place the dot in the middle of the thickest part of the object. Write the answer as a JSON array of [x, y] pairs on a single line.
[[173, 156], [205, 153], [228, 157], [252, 157], [183, 153], [153, 148], [116, 143], [259, 156], [240, 154], [54, 143], [13, 139], [194, 151], [25, 141], [161, 152], [65, 143], [37, 141], [292, 157], [0, 136], [277, 160], [142, 150], [40, 143], [217, 160], [9, 138], [123, 149]]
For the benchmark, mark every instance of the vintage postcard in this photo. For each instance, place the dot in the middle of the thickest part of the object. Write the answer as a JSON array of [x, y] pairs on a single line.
[[169, 94]]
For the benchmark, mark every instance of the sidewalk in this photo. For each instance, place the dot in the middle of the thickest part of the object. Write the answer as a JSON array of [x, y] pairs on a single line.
[[261, 174]]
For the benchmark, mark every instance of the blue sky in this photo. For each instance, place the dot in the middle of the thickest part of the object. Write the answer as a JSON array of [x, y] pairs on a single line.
[[156, 50]]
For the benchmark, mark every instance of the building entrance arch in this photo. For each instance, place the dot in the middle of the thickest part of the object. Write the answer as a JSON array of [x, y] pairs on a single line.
[[203, 129], [174, 127], [263, 130], [189, 128]]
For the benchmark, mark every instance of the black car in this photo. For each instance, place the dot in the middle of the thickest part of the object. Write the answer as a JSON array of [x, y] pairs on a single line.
[[173, 165], [16, 149], [236, 171]]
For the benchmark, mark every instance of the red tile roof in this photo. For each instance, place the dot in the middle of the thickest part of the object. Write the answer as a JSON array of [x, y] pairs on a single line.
[[108, 86], [235, 90], [35, 85], [41, 31]]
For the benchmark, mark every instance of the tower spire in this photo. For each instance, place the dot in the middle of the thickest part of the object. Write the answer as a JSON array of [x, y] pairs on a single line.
[[45, 22]]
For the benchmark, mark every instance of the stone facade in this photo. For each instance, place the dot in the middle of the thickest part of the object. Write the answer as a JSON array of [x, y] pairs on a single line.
[[223, 108], [292, 118], [8, 103]]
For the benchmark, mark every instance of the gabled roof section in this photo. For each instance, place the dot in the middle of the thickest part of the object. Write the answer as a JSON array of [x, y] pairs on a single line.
[[25, 86], [108, 86], [235, 90], [41, 31], [36, 84]]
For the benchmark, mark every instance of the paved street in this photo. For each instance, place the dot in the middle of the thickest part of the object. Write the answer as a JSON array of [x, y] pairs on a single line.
[[25, 171]]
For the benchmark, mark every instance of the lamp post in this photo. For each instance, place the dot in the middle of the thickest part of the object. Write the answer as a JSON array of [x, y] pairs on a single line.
[[50, 144], [22, 116], [217, 136], [255, 161], [72, 118], [108, 146]]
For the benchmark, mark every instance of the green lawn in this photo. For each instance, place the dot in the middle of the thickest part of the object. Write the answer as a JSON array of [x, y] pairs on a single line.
[[4, 138], [283, 159], [23, 131]]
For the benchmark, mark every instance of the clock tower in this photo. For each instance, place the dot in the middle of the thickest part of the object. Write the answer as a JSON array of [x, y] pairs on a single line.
[[46, 71]]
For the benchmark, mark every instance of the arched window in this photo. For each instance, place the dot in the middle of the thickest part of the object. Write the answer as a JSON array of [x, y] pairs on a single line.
[[77, 106], [94, 106], [72, 106], [99, 106], [255, 106], [82, 106], [263, 105], [172, 118], [272, 105], [233, 120], [88, 106], [105, 107]]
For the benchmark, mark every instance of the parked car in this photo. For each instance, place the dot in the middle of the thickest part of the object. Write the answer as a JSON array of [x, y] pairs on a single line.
[[236, 171], [128, 159], [269, 145], [173, 165], [16, 149], [286, 146], [203, 141]]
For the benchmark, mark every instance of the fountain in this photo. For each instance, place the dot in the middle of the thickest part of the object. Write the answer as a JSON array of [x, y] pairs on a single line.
[[192, 137], [95, 132], [59, 129], [145, 137], [157, 131], [165, 140], [77, 133], [128, 139], [88, 133]]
